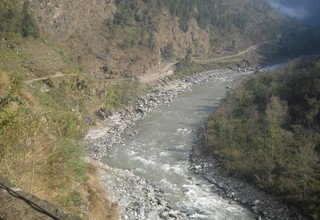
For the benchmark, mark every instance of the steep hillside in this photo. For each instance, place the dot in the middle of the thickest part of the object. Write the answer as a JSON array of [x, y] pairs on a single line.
[[129, 37]]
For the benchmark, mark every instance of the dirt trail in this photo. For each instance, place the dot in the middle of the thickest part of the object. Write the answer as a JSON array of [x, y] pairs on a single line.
[[165, 71], [251, 48], [57, 75]]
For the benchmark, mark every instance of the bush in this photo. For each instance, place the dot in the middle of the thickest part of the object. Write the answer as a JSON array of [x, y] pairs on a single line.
[[14, 19], [29, 27]]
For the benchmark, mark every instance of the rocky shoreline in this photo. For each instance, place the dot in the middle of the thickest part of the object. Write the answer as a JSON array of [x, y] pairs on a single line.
[[264, 205], [137, 197]]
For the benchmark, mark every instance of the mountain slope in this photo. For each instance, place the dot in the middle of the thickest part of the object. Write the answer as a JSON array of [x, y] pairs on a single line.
[[128, 37]]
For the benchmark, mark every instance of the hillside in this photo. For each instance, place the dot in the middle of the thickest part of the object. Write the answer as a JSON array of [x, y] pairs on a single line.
[[61, 61], [129, 37], [267, 132]]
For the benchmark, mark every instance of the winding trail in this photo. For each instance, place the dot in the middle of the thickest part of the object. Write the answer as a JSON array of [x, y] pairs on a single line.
[[249, 49], [167, 70]]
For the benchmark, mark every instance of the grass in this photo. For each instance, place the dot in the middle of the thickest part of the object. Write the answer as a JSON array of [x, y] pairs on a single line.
[[41, 130]]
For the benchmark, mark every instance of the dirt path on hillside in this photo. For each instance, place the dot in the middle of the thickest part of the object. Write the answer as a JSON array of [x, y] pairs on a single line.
[[57, 75], [167, 70], [249, 49]]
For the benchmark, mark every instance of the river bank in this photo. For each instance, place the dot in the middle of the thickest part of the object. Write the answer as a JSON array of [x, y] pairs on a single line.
[[264, 205], [137, 197]]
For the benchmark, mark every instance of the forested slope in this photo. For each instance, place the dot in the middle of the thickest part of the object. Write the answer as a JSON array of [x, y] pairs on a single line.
[[268, 131]]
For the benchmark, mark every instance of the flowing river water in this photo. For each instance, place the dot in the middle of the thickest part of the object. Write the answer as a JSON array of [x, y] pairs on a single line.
[[160, 148]]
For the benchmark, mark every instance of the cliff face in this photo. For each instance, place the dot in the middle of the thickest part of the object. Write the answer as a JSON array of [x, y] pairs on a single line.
[[125, 38]]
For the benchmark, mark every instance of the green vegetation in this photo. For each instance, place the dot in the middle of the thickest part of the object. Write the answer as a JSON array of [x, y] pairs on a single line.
[[268, 132], [222, 16], [134, 24], [17, 20], [167, 53], [185, 64], [42, 122], [122, 94], [299, 42], [35, 154]]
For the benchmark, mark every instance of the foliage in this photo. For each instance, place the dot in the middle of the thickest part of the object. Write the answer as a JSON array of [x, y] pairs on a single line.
[[73, 165], [167, 52], [222, 15], [135, 25], [267, 131], [184, 64], [9, 17], [299, 42], [39, 151], [122, 94], [17, 20], [29, 27]]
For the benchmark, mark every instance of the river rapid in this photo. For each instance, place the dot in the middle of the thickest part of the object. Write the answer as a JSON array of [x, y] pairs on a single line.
[[158, 147]]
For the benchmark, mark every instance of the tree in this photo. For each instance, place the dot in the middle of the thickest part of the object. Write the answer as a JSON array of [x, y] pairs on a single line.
[[29, 27]]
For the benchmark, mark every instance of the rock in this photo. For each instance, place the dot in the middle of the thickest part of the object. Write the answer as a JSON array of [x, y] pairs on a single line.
[[153, 215], [174, 214], [164, 214], [256, 202], [255, 209]]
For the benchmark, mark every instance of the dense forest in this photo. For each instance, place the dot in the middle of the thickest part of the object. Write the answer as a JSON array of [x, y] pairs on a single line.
[[268, 131]]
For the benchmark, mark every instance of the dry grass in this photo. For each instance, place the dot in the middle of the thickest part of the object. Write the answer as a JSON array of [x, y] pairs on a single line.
[[4, 82], [40, 150], [100, 206]]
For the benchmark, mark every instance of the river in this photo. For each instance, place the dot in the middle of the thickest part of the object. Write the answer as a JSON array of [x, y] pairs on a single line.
[[158, 149]]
